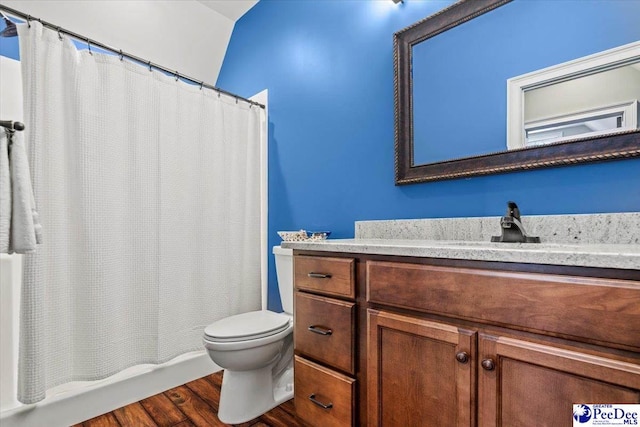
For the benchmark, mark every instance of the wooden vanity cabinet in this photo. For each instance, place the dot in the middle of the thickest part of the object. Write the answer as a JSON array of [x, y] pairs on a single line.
[[467, 346], [423, 373], [324, 340], [451, 343]]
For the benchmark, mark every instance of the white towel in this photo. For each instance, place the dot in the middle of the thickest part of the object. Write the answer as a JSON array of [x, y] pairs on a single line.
[[5, 193], [25, 229]]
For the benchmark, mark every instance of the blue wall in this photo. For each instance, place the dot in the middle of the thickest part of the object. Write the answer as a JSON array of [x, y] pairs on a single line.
[[329, 70], [9, 45]]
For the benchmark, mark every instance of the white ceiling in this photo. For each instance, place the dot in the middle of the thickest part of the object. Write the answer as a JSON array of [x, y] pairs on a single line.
[[183, 35], [155, 30], [232, 9]]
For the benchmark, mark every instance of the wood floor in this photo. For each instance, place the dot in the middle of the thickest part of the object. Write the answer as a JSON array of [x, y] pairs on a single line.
[[189, 405]]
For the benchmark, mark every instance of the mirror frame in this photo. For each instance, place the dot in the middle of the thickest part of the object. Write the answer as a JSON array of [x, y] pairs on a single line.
[[608, 147]]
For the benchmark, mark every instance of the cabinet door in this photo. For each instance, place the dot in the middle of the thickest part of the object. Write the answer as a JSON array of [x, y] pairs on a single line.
[[420, 373], [524, 384]]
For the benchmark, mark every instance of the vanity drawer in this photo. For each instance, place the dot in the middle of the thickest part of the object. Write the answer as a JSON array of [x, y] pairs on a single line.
[[325, 330], [604, 311], [323, 397], [330, 276]]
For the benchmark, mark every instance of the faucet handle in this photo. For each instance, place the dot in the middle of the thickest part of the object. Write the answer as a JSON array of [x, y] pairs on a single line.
[[512, 228]]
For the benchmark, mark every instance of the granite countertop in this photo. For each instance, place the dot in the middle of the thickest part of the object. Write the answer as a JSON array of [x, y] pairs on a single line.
[[623, 256]]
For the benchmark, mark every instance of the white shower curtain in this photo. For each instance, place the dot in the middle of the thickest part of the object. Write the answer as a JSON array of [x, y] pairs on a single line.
[[149, 193]]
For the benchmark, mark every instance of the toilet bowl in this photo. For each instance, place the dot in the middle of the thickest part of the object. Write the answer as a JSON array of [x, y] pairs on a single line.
[[255, 350]]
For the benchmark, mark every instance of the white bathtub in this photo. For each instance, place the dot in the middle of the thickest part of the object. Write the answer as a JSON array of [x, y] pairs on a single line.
[[78, 401]]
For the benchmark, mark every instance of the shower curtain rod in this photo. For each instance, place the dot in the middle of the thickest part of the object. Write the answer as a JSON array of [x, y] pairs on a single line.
[[122, 54]]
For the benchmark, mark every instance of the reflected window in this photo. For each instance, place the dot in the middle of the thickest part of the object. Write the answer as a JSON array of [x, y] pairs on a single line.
[[587, 97], [583, 124]]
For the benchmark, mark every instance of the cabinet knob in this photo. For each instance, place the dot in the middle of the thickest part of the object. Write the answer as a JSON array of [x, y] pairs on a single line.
[[462, 357], [488, 364]]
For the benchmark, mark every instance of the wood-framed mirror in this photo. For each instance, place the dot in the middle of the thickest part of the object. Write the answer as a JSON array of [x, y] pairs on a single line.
[[494, 157]]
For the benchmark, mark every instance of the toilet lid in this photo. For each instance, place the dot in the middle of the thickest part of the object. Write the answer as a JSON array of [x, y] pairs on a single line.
[[255, 324]]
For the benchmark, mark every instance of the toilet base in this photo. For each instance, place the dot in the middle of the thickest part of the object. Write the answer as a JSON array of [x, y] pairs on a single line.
[[246, 395]]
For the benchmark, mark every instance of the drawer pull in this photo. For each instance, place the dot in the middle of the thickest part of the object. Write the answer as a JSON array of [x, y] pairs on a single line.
[[319, 330], [319, 275], [320, 404]]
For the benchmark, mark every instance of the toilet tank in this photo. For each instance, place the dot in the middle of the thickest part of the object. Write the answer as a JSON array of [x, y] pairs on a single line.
[[284, 272]]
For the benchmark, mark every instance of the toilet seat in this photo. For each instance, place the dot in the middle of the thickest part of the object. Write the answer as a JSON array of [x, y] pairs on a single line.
[[247, 326]]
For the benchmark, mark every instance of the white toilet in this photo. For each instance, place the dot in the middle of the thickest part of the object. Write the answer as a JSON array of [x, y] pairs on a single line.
[[256, 351]]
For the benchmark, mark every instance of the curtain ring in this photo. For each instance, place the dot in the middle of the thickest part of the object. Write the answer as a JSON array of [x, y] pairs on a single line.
[[177, 75], [236, 99], [201, 84], [29, 20], [150, 66], [218, 94], [59, 35], [89, 46], [121, 55]]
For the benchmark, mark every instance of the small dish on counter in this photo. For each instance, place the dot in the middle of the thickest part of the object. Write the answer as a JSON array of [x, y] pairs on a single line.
[[318, 235], [293, 236]]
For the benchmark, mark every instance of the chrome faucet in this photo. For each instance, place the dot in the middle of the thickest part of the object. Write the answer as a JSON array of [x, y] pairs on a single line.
[[512, 228]]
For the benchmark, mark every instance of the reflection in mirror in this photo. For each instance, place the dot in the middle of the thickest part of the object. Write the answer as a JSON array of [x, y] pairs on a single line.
[[588, 97], [591, 105], [451, 73], [458, 96], [459, 76]]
